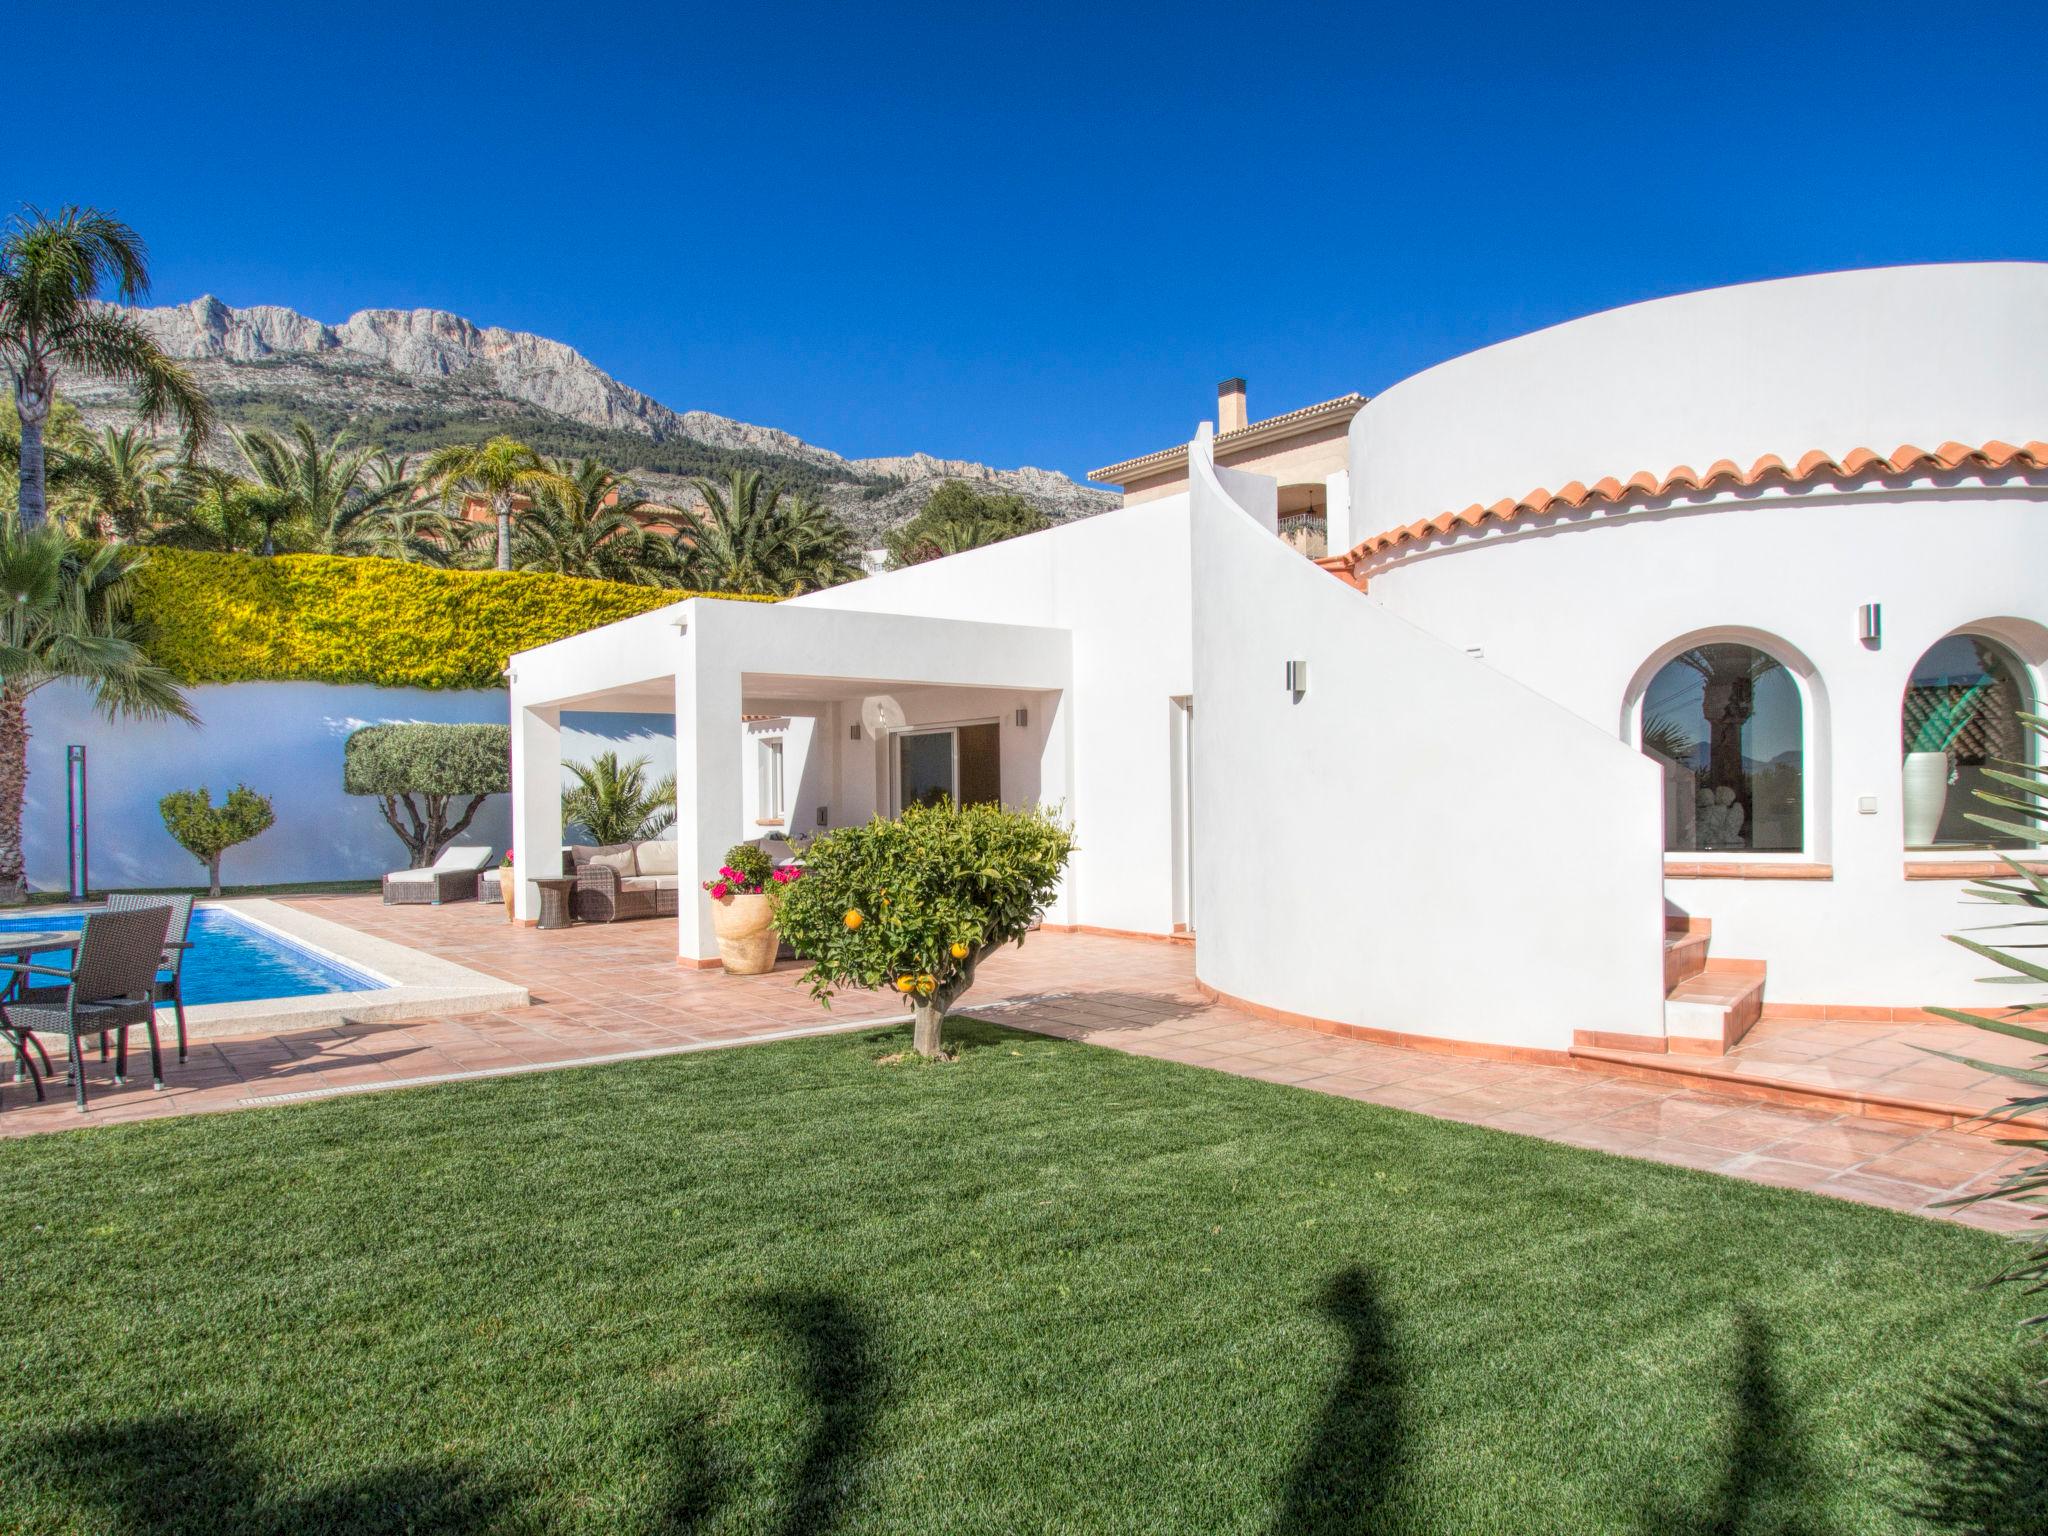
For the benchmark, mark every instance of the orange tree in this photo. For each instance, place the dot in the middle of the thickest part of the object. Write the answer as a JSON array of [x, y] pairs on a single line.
[[915, 904]]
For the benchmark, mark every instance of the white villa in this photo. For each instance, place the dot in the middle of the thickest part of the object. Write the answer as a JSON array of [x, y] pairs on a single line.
[[1588, 733]]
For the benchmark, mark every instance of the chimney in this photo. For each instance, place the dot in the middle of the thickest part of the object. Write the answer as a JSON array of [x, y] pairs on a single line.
[[1230, 409]]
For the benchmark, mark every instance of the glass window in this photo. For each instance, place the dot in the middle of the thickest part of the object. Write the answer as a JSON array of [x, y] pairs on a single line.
[[1957, 721], [771, 779], [924, 768], [1724, 722]]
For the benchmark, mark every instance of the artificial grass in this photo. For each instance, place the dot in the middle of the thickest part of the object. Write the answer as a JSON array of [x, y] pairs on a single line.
[[1045, 1288]]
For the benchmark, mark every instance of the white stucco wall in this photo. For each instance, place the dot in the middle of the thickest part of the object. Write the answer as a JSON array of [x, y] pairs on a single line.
[[1877, 358], [281, 739], [1580, 607], [1118, 583], [1362, 852]]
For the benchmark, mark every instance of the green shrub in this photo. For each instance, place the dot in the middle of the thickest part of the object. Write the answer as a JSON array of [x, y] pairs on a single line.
[[206, 831], [211, 618], [423, 769], [915, 904]]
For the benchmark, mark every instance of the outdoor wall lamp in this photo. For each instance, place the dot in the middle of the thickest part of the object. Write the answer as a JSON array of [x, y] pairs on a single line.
[[1023, 718], [1870, 624], [1297, 679]]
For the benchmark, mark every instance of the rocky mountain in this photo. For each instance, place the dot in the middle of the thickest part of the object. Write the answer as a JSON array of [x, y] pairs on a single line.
[[411, 380]]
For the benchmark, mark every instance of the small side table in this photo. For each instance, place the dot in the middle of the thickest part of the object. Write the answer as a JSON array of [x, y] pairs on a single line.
[[555, 891]]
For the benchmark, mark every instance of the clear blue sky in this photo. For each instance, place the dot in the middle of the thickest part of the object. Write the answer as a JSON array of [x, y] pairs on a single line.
[[1026, 234]]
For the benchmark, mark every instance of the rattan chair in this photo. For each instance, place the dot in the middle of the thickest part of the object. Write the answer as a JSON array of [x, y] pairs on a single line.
[[109, 987], [169, 988]]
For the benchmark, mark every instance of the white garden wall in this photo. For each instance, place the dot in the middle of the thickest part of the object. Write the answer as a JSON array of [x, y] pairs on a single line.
[[1366, 853], [283, 740]]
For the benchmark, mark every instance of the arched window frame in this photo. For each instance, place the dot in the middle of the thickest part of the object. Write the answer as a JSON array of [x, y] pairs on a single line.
[[2025, 644], [1816, 767]]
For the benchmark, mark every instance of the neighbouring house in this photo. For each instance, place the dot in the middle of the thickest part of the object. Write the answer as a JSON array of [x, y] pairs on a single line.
[[1306, 453], [1615, 669]]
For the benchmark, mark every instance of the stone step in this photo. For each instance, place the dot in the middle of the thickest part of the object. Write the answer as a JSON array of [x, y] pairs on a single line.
[[1710, 1010], [1685, 954]]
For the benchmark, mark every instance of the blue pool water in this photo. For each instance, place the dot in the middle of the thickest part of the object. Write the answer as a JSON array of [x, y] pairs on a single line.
[[231, 960]]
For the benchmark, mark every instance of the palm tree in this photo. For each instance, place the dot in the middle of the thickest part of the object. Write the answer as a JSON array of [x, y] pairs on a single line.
[[612, 803], [746, 539], [592, 525], [52, 272], [497, 471], [64, 614], [342, 499], [213, 509], [120, 482]]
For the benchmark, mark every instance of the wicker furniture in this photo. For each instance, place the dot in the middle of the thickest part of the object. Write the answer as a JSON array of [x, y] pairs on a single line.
[[555, 892], [109, 987], [169, 988], [625, 880], [451, 878]]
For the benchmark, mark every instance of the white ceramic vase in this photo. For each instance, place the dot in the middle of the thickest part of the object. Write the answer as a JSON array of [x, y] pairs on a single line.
[[1925, 777]]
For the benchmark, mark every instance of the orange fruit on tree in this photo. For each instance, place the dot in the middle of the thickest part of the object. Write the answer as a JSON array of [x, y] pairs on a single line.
[[926, 984], [959, 950], [853, 919], [905, 983]]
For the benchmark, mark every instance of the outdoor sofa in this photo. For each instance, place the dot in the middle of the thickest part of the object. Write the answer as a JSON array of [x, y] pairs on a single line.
[[452, 877], [624, 880]]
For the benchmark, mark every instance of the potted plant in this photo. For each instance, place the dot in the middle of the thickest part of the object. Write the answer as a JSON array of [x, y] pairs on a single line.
[[743, 897], [508, 887], [1943, 717]]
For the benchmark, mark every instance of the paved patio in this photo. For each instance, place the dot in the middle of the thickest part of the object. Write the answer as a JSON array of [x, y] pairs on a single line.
[[610, 992]]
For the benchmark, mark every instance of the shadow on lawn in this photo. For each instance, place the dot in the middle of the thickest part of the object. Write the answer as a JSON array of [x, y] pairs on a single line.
[[171, 1476], [1349, 1473], [1981, 1455], [1764, 1476], [840, 1377]]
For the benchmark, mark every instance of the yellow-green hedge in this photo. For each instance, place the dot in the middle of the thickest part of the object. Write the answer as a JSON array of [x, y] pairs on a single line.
[[332, 619]]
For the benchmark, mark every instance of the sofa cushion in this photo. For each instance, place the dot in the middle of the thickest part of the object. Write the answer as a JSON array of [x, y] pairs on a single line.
[[657, 858], [411, 876], [618, 858], [650, 882]]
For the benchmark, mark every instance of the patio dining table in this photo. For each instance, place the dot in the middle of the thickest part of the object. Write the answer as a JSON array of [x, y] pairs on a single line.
[[23, 947]]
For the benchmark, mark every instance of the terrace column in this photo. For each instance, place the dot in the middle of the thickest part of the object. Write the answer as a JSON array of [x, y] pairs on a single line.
[[536, 801], [708, 793], [1056, 788]]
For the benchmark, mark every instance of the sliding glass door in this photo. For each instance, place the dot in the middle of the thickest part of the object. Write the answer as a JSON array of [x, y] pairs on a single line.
[[960, 764]]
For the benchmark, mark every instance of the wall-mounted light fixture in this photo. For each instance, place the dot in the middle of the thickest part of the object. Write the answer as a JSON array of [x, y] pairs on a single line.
[[1297, 679], [1023, 718], [853, 731], [1870, 624]]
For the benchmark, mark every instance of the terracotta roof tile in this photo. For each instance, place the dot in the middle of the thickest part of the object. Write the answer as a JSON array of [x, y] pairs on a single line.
[[1815, 464]]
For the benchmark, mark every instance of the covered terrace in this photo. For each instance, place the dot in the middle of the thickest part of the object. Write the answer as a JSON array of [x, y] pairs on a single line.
[[792, 719]]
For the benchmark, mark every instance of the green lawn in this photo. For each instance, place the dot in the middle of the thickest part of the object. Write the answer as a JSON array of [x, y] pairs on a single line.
[[1047, 1288]]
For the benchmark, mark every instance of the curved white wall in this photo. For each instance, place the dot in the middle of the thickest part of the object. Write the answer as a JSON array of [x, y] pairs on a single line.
[[1876, 358], [1576, 605], [1365, 854]]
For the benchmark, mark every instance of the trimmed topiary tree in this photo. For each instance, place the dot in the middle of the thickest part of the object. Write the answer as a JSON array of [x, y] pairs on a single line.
[[917, 903], [424, 769], [206, 830]]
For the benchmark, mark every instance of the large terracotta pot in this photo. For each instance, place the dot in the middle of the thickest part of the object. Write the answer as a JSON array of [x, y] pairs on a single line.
[[1926, 796], [745, 926]]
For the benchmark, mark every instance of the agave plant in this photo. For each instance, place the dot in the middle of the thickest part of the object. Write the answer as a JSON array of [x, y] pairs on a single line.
[[611, 800], [2022, 802]]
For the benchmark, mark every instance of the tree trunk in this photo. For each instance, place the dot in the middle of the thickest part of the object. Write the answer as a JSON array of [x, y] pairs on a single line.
[[930, 1017], [501, 505], [13, 791], [32, 404], [213, 875]]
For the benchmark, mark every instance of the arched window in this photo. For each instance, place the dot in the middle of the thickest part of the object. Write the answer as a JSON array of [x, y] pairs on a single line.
[[1957, 718], [1724, 721]]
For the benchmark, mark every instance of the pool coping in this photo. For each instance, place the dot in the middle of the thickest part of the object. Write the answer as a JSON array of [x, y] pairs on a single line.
[[417, 985]]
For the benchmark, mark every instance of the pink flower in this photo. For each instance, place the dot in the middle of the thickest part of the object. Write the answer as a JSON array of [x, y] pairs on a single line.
[[719, 891]]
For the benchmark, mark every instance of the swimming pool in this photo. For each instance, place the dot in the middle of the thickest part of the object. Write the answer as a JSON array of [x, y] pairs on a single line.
[[232, 960]]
